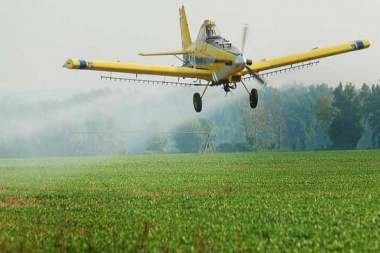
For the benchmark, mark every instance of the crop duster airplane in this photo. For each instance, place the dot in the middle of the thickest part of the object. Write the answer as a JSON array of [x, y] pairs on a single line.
[[215, 61]]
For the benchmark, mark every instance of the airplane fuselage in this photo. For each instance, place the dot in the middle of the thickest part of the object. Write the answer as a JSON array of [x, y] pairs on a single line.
[[212, 51]]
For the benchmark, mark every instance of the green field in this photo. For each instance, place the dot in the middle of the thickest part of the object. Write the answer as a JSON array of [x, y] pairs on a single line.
[[258, 202]]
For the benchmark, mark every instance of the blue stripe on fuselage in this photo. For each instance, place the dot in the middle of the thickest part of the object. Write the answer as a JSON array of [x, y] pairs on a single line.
[[360, 44], [82, 64]]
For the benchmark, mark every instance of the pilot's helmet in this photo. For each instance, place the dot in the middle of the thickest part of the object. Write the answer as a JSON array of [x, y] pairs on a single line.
[[209, 30]]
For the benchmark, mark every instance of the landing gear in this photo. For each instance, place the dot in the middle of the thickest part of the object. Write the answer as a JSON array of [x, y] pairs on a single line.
[[253, 95], [197, 101], [253, 98]]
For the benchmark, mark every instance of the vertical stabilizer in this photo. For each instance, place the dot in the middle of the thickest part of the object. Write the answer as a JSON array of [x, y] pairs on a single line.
[[185, 32]]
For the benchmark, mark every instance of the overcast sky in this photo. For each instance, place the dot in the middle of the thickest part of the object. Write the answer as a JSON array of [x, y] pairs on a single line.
[[37, 37]]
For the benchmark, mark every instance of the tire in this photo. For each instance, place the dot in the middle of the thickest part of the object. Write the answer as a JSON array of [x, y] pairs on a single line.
[[197, 101], [253, 98]]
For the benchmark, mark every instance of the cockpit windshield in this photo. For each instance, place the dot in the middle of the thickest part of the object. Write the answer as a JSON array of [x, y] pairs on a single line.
[[208, 31]]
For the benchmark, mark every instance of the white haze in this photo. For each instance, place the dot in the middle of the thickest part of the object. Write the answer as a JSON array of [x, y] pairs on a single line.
[[129, 109], [37, 37]]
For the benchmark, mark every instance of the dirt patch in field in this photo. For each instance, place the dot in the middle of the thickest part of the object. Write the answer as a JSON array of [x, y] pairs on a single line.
[[2, 191], [191, 192], [17, 202]]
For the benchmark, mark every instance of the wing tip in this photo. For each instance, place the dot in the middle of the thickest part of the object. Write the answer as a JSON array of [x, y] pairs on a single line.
[[69, 64]]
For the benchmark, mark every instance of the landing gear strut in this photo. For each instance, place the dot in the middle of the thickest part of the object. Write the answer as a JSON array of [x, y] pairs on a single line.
[[197, 101], [253, 98]]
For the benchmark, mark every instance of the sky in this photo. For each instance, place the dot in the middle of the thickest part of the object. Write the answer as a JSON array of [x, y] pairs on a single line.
[[37, 37]]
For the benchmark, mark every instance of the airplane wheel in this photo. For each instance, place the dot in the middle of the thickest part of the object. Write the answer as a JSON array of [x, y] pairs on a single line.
[[197, 101], [253, 98]]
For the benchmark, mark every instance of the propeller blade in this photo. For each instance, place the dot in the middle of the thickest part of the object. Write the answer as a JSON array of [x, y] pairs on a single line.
[[244, 37], [256, 76]]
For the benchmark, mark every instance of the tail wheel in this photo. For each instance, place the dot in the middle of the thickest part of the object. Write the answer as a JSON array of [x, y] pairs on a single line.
[[197, 101], [253, 98]]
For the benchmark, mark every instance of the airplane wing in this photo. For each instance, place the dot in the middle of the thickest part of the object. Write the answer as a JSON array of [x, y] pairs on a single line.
[[313, 54], [139, 69], [184, 72]]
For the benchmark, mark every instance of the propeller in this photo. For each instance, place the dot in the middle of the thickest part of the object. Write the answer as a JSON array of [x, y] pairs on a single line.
[[244, 37], [256, 76], [249, 62]]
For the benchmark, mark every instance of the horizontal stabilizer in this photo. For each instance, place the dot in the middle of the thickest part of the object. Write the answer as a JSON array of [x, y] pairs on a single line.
[[179, 52]]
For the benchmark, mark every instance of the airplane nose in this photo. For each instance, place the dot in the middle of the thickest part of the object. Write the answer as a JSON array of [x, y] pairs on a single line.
[[242, 59]]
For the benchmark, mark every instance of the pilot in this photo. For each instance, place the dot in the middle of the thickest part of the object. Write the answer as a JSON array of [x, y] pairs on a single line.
[[210, 31]]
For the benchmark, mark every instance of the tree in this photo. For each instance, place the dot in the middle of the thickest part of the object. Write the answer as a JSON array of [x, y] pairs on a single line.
[[101, 136], [192, 136], [278, 117], [258, 125], [255, 123], [324, 111], [158, 141], [346, 129], [374, 115]]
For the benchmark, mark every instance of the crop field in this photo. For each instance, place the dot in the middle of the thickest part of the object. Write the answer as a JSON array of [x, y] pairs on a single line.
[[252, 202]]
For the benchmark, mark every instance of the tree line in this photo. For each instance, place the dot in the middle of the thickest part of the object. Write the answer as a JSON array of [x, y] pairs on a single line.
[[295, 118], [308, 118]]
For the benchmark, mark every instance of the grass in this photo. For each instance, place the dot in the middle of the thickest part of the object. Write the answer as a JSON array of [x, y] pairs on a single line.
[[260, 202]]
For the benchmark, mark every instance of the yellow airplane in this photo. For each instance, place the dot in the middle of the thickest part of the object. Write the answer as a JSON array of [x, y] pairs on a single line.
[[216, 61]]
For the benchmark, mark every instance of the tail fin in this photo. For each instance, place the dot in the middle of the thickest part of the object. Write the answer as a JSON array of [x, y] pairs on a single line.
[[185, 32]]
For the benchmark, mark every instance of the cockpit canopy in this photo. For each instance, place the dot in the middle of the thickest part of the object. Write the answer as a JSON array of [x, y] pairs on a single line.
[[208, 31]]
